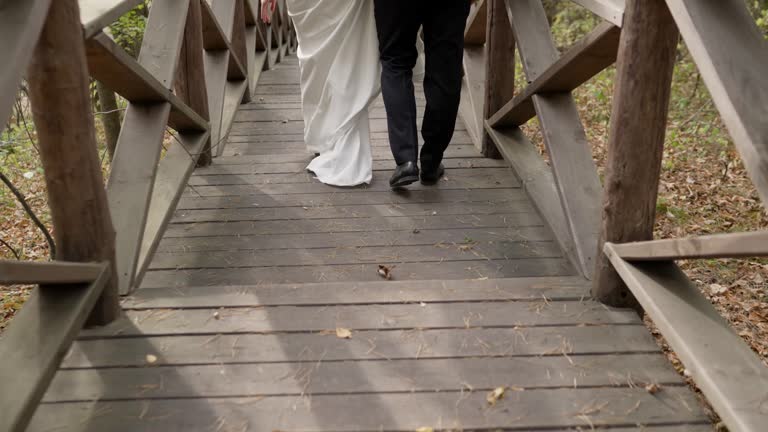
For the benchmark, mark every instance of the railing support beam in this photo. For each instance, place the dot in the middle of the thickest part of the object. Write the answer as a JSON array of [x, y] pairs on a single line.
[[61, 106], [641, 99], [500, 67]]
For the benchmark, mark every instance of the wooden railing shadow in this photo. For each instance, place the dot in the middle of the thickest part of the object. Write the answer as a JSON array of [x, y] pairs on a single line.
[[199, 60], [588, 218]]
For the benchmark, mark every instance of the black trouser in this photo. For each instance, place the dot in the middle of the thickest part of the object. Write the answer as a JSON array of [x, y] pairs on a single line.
[[398, 23]]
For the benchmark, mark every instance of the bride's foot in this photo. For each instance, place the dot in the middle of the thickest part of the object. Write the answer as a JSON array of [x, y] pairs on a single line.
[[404, 175]]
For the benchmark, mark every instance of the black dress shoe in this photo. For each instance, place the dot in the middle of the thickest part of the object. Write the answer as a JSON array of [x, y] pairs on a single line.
[[430, 176], [404, 175]]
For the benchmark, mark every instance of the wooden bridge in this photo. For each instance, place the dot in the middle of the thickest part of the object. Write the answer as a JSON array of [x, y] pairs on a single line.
[[257, 299]]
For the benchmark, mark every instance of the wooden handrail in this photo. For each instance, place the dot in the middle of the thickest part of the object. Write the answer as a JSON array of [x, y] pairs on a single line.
[[35, 343], [56, 272], [732, 56]]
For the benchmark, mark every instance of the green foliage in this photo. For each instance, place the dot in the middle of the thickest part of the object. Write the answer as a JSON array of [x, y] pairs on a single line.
[[128, 31]]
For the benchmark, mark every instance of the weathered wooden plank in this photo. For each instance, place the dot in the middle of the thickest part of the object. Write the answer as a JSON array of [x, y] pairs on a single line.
[[20, 27], [382, 292], [35, 342], [500, 69], [58, 90], [218, 19], [473, 94], [378, 376], [355, 239], [234, 92], [734, 245], [636, 139], [537, 180], [502, 180], [476, 24], [565, 408], [378, 139], [361, 272], [379, 153], [239, 43], [394, 345], [216, 80], [386, 223], [97, 14], [297, 127], [173, 173], [575, 173], [117, 70], [300, 168], [161, 44], [729, 373], [732, 55], [570, 154], [333, 212], [190, 82], [441, 253], [291, 112], [392, 317], [56, 272], [303, 176], [254, 200], [131, 181], [581, 62], [609, 10], [214, 38]]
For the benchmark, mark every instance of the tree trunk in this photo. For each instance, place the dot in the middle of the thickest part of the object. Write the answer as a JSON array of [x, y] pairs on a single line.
[[61, 105], [636, 142], [110, 116]]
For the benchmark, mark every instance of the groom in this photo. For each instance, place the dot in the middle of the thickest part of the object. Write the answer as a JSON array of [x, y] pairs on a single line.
[[398, 23]]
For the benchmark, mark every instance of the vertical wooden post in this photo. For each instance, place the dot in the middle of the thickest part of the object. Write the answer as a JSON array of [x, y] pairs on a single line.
[[640, 106], [190, 79], [61, 106], [500, 67]]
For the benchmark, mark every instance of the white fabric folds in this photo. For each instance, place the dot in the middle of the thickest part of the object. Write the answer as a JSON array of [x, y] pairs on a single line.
[[340, 76]]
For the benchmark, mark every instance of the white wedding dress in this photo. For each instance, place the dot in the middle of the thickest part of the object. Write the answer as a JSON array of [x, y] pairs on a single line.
[[340, 77]]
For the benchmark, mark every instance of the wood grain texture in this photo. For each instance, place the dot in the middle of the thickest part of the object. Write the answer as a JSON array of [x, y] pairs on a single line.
[[97, 14], [20, 27], [61, 107], [570, 154], [729, 373], [34, 345], [342, 412], [56, 272], [585, 59], [500, 68], [734, 245], [636, 140], [190, 82]]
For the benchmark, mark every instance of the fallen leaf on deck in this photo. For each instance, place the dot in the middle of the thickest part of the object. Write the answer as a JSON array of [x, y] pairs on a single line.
[[425, 429], [343, 333], [216, 315], [653, 388], [495, 395], [151, 359], [385, 272]]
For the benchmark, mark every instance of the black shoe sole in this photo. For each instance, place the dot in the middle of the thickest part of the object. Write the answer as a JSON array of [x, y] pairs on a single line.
[[405, 181]]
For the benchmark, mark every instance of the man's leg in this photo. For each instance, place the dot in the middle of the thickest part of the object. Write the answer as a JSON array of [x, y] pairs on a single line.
[[397, 23], [444, 24]]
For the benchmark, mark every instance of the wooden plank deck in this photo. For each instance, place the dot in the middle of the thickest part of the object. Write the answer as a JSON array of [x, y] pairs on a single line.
[[235, 328]]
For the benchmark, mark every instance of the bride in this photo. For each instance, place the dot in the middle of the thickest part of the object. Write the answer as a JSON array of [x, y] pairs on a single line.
[[340, 77]]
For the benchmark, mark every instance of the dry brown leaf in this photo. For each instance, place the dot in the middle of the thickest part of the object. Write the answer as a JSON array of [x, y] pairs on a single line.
[[343, 333], [653, 388], [385, 272], [495, 395]]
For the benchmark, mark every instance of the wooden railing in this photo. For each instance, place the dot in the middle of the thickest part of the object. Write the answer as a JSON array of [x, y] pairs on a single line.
[[199, 60], [589, 218]]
